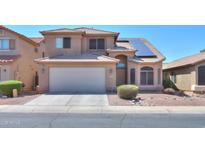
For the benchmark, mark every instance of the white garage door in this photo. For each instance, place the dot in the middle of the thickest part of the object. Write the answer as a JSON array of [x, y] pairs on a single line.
[[64, 79]]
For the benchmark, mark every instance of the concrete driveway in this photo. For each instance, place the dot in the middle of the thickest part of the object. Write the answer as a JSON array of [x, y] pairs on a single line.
[[70, 100]]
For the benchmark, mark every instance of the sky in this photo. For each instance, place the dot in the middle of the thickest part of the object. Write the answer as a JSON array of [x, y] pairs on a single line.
[[173, 42]]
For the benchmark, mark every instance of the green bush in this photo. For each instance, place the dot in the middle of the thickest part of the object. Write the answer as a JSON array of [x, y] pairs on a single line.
[[169, 84], [6, 87], [127, 91]]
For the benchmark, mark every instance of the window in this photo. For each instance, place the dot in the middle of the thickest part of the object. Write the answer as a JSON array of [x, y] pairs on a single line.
[[201, 75], [93, 44], [159, 76], [63, 43], [146, 76], [66, 42], [4, 44], [97, 44], [174, 77], [132, 75], [101, 44]]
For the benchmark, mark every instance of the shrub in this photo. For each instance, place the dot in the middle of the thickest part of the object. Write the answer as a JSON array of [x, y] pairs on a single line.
[[6, 87], [169, 84], [127, 91]]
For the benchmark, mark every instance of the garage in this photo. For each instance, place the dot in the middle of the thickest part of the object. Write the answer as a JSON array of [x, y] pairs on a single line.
[[77, 79]]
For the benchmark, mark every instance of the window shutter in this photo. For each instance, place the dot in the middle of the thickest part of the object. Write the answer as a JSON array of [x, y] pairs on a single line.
[[12, 44]]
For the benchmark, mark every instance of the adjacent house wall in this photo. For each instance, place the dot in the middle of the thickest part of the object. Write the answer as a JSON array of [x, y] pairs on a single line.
[[23, 68], [185, 77]]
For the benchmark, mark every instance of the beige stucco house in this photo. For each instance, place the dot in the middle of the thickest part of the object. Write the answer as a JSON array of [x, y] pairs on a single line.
[[79, 60], [17, 54], [91, 60], [187, 73]]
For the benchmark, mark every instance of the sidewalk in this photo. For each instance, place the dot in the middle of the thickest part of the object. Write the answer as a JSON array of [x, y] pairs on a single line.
[[102, 109]]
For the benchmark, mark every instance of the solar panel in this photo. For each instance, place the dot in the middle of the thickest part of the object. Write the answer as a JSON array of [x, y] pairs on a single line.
[[142, 49]]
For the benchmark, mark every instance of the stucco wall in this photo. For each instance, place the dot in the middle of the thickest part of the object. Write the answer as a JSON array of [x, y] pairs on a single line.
[[79, 44], [24, 68], [138, 66], [44, 74], [51, 50], [185, 77]]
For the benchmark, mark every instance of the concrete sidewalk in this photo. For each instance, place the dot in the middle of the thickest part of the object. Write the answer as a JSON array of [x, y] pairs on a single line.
[[102, 109]]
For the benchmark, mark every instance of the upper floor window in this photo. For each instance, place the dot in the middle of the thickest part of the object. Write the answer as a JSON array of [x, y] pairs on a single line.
[[4, 44], [64, 42], [7, 44], [97, 43]]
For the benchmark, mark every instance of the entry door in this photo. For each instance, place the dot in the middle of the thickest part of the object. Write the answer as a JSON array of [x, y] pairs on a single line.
[[75, 80]]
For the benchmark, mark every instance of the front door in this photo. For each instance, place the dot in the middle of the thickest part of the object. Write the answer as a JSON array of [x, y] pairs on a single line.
[[4, 72], [121, 70]]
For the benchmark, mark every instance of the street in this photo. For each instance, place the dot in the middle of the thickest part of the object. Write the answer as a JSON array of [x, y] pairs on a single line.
[[101, 120]]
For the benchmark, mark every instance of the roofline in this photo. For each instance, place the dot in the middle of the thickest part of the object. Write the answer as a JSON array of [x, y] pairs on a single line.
[[190, 64], [185, 64], [20, 35], [44, 61], [116, 33], [76, 31]]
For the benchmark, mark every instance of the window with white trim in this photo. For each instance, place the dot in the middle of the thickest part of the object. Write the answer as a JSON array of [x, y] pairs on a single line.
[[63, 43], [147, 76]]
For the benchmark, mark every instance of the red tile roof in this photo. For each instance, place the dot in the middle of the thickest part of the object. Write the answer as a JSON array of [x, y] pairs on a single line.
[[18, 34], [8, 58], [37, 39]]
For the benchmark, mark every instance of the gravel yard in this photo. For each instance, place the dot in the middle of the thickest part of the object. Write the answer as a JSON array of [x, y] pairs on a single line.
[[158, 99], [24, 98]]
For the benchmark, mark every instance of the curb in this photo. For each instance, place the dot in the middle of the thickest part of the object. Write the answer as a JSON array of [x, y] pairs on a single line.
[[103, 109]]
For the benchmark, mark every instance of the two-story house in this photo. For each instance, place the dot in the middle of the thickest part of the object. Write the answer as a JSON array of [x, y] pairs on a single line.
[[17, 54], [91, 60]]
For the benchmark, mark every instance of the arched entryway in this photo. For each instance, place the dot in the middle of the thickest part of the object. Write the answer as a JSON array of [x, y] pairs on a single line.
[[121, 70]]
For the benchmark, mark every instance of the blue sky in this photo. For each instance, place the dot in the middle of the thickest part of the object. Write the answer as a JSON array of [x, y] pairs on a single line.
[[173, 41]]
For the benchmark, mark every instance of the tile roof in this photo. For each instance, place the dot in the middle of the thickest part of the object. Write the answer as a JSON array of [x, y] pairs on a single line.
[[190, 60], [82, 30], [62, 30], [18, 34], [8, 58], [95, 31], [37, 39], [88, 57]]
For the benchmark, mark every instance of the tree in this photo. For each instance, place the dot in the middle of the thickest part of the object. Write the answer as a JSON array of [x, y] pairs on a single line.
[[202, 50]]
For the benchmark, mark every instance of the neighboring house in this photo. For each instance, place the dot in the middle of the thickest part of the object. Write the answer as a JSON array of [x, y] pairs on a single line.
[[17, 54], [91, 60], [187, 73]]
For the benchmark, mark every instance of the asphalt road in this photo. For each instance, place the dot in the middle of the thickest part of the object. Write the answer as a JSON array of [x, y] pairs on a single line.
[[108, 120]]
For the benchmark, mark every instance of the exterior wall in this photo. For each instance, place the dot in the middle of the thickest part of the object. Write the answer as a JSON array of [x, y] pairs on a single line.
[[51, 50], [185, 77], [23, 68], [79, 45], [138, 66], [44, 74]]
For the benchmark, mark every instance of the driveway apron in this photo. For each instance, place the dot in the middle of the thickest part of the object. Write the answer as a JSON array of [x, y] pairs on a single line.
[[70, 100]]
